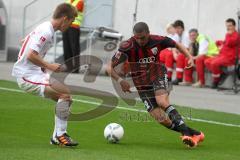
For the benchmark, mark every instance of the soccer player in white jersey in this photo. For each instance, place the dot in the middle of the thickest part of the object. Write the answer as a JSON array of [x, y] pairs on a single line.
[[30, 74]]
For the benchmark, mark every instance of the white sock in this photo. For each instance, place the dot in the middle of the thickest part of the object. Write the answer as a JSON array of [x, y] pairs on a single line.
[[61, 126], [55, 130]]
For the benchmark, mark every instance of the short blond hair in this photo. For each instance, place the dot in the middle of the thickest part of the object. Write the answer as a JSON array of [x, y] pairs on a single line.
[[169, 25], [65, 9]]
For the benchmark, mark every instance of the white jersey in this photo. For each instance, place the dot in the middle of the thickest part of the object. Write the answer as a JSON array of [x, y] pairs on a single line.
[[40, 40], [184, 39], [174, 37], [203, 47]]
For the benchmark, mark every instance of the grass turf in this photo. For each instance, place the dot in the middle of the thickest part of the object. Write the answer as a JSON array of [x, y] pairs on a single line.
[[26, 124]]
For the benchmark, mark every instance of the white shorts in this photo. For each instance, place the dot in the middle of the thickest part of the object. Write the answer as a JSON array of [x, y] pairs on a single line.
[[34, 84]]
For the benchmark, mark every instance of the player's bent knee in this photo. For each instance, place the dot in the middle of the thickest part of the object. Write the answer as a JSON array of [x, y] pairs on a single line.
[[162, 100], [163, 104], [65, 97]]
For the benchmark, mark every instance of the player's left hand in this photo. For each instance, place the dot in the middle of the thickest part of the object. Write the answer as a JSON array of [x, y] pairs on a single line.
[[125, 86], [190, 63]]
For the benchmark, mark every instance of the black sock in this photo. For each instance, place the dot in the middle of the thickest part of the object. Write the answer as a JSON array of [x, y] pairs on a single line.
[[177, 121], [193, 131], [182, 128]]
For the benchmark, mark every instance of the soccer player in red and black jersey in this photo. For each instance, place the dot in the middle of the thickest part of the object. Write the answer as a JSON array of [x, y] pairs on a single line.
[[150, 78]]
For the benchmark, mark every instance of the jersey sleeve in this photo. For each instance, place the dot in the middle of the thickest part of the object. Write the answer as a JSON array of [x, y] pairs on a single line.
[[118, 58], [38, 41], [122, 54], [167, 42], [185, 41]]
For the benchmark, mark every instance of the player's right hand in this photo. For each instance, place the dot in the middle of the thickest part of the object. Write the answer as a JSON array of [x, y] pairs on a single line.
[[125, 86], [55, 67], [190, 63]]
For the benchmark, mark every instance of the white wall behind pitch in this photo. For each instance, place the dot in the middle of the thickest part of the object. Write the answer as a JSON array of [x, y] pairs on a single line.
[[213, 14], [158, 13], [15, 16], [207, 15]]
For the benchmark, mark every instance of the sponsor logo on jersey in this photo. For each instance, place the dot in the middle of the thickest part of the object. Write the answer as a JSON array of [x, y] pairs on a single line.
[[147, 60]]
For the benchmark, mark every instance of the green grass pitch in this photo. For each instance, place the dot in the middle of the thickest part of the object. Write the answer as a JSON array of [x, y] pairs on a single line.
[[26, 124]]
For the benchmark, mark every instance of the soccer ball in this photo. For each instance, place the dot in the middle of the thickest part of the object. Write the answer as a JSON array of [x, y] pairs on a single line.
[[113, 132]]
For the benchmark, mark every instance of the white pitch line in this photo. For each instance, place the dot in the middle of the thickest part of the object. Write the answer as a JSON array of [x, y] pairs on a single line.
[[122, 108], [135, 110], [11, 90], [214, 122]]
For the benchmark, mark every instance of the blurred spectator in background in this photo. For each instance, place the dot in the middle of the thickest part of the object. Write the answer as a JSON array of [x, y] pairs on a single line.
[[71, 39], [227, 54], [172, 33], [202, 48], [181, 58], [169, 56]]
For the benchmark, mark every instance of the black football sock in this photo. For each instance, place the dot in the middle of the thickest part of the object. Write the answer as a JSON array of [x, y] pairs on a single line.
[[193, 131], [177, 121]]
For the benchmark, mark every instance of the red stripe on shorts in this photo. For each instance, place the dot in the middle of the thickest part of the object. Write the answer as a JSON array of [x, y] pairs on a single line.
[[45, 84]]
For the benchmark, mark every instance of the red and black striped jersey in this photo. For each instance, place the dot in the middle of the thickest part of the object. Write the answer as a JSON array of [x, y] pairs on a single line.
[[143, 60]]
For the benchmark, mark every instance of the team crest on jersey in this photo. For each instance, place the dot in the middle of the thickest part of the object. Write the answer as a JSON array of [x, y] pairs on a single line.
[[154, 50], [42, 39]]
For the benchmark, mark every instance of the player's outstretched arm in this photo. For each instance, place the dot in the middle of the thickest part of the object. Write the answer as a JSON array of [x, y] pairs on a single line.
[[111, 72], [184, 50], [37, 60]]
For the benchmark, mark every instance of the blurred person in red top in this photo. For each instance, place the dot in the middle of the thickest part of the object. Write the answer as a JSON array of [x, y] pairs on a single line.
[[227, 54]]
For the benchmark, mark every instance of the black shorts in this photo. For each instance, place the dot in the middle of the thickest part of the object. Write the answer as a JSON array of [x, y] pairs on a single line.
[[159, 86]]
